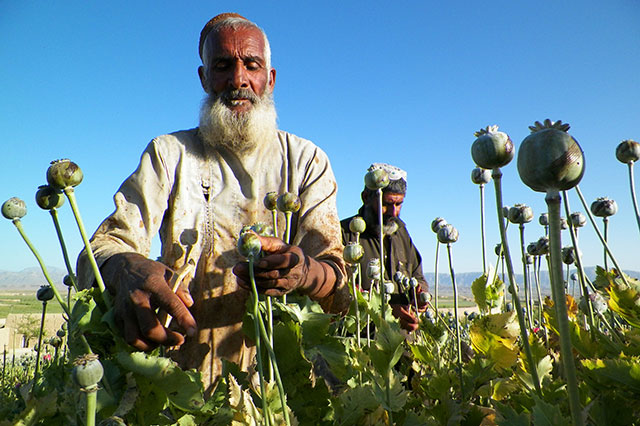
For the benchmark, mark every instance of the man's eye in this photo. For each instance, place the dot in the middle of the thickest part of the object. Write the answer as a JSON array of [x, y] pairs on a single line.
[[219, 66], [252, 65]]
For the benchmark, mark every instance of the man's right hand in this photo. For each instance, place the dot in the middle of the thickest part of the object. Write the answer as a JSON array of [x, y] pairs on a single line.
[[139, 287]]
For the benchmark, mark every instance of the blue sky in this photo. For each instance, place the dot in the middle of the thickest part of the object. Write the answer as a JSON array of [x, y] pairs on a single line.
[[403, 82]]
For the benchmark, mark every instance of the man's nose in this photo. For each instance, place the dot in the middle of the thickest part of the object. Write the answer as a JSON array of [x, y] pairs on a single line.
[[238, 79]]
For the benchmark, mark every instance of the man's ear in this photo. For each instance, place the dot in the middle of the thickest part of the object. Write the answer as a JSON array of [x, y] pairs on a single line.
[[203, 78]]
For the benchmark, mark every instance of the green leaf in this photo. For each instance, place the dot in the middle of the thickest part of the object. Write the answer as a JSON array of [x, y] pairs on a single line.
[[545, 414], [495, 336], [622, 373], [508, 416], [353, 404], [478, 289], [183, 388], [386, 348], [390, 392]]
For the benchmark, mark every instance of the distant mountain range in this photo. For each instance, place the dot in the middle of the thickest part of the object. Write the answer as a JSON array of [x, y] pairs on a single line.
[[30, 278]]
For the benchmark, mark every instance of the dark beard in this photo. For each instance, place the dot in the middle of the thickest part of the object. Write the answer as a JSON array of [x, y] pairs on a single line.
[[390, 224]]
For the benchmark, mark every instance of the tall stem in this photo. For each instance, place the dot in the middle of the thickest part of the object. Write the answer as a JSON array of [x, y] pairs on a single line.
[[484, 255], [581, 276], [606, 233], [602, 239], [56, 293], [92, 402], [435, 278], [525, 273], [65, 255], [497, 179], [35, 375], [455, 316], [560, 303], [256, 327], [383, 291], [633, 193], [70, 193], [354, 272]]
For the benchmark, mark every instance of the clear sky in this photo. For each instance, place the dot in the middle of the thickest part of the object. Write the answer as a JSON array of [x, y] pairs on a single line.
[[405, 82]]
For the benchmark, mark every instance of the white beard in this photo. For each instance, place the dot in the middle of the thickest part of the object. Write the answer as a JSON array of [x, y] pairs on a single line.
[[389, 228], [238, 132]]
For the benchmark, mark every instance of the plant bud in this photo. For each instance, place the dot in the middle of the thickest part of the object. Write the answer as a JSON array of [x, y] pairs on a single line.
[[492, 148], [270, 200], [373, 268], [520, 214], [55, 341], [480, 176], [509, 306], [397, 277], [389, 287], [544, 219], [568, 255], [628, 151], [44, 293], [563, 223], [604, 207], [505, 212], [352, 253], [63, 174], [543, 245], [288, 202], [376, 179], [437, 223], [87, 371], [528, 259], [550, 158], [261, 229], [574, 277], [357, 225], [48, 198], [498, 249], [67, 281], [532, 249], [249, 245], [413, 282], [14, 208], [61, 332], [447, 234], [425, 297], [577, 219]]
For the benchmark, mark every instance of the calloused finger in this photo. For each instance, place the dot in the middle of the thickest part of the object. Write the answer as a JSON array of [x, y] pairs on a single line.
[[279, 261], [168, 301]]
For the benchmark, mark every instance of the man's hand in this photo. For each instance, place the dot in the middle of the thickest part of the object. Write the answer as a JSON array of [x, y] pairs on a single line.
[[408, 320], [285, 268], [139, 287]]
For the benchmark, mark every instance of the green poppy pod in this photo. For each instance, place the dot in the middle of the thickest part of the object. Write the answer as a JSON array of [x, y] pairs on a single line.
[[550, 158], [544, 219], [480, 176], [87, 371], [532, 249], [577, 219], [63, 174], [262, 229], [447, 234], [288, 202], [48, 198], [45, 293], [528, 259], [61, 332], [373, 268], [492, 148], [520, 214], [604, 207], [14, 208], [352, 253], [628, 151], [55, 341], [568, 255], [270, 200], [249, 245], [67, 280], [437, 223], [498, 249], [357, 225], [563, 223], [376, 179], [543, 245]]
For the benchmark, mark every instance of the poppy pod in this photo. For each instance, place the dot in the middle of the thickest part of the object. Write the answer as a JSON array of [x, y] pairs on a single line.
[[549, 158], [604, 207], [628, 151], [288, 202], [437, 223], [520, 214], [249, 245], [447, 234], [373, 268], [14, 208], [480, 176], [48, 198], [578, 219], [357, 225], [352, 253], [270, 200], [63, 174], [492, 148], [376, 179], [44, 293]]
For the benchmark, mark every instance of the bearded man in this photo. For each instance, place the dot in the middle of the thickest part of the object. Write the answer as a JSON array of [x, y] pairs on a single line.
[[400, 254], [198, 188]]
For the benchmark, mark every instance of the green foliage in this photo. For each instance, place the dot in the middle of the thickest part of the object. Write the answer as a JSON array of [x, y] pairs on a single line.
[[488, 291]]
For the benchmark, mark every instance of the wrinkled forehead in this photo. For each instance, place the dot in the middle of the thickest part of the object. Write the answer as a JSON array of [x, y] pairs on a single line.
[[244, 41]]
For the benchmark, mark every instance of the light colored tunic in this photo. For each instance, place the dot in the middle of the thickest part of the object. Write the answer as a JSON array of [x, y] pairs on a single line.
[[198, 198]]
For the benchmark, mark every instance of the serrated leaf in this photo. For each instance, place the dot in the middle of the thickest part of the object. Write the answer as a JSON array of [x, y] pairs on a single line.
[[621, 373], [478, 290], [354, 404], [495, 336], [508, 416], [386, 348], [545, 414], [389, 392]]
